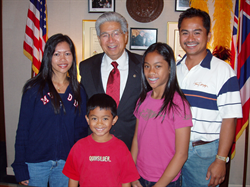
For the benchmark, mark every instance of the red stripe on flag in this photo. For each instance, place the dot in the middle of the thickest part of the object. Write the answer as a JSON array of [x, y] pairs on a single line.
[[36, 32], [32, 17], [238, 60], [246, 8], [243, 55], [27, 48]]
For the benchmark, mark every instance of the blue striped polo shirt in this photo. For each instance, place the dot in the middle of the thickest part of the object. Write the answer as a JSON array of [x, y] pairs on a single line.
[[212, 89]]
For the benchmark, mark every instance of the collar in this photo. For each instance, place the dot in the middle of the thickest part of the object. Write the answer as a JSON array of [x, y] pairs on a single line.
[[205, 63], [122, 61]]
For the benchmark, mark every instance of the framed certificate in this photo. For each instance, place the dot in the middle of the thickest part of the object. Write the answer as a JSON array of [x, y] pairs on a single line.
[[91, 45]]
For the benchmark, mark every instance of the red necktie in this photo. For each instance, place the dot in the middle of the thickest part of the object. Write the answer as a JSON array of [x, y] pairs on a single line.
[[113, 85]]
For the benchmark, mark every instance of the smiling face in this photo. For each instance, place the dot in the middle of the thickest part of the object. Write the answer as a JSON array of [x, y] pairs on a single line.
[[194, 37], [100, 122], [112, 39], [156, 71], [62, 58]]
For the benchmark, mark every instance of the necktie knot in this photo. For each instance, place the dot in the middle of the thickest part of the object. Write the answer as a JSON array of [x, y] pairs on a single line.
[[114, 64]]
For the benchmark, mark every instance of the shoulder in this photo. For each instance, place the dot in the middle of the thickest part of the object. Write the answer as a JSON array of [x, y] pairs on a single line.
[[218, 66], [120, 145], [179, 101], [83, 93], [81, 143], [218, 63], [89, 61], [82, 90], [32, 91], [136, 58]]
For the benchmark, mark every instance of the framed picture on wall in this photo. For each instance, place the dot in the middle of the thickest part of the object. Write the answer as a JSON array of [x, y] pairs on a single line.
[[173, 40], [90, 40], [181, 5], [100, 6], [141, 38]]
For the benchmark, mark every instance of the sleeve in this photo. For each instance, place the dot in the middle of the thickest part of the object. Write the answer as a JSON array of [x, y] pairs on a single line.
[[129, 172], [136, 111], [182, 116], [81, 126], [22, 134], [228, 99], [70, 169]]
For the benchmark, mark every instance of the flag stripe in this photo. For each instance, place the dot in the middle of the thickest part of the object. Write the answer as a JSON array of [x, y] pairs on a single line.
[[241, 61], [244, 92], [35, 33]]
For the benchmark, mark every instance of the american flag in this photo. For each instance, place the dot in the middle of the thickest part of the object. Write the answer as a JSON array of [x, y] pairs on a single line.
[[241, 61], [35, 33]]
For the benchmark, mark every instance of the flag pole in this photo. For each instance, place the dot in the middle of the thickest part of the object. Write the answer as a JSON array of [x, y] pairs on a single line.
[[246, 154]]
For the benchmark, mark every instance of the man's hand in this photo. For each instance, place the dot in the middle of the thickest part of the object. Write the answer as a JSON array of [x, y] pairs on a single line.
[[26, 182], [217, 172]]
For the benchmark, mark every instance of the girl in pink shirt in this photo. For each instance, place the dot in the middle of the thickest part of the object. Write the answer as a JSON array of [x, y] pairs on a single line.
[[160, 143]]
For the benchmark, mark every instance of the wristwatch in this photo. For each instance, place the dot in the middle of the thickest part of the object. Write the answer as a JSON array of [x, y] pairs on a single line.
[[225, 159]]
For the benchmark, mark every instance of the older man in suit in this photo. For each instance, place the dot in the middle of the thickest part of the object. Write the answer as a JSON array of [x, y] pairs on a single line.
[[112, 32]]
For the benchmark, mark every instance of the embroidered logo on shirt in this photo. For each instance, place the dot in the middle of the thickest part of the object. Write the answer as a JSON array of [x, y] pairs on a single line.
[[44, 100], [75, 103], [99, 159], [70, 97], [49, 94], [200, 84]]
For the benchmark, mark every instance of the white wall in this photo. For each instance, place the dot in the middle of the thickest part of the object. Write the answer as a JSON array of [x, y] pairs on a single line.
[[65, 16]]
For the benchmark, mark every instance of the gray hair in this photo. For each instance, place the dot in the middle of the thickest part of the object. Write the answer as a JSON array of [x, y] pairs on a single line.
[[111, 16]]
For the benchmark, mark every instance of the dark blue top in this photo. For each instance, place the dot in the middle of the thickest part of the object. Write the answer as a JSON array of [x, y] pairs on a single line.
[[43, 135]]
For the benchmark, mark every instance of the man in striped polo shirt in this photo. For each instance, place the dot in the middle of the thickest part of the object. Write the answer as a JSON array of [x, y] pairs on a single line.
[[211, 87]]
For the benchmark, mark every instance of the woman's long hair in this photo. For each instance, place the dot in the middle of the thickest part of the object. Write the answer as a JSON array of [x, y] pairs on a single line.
[[45, 73], [172, 85]]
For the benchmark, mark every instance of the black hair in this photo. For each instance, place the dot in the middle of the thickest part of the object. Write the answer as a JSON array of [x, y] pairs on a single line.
[[193, 12], [103, 101], [45, 73], [172, 85]]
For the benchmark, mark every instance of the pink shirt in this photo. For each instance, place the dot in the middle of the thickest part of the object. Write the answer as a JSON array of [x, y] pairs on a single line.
[[156, 139]]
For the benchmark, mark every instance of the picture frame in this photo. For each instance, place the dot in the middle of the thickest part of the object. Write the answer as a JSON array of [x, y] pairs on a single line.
[[142, 38], [101, 6], [91, 45], [181, 5], [173, 40]]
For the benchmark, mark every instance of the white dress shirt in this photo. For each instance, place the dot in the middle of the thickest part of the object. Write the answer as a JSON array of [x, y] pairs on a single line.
[[106, 68]]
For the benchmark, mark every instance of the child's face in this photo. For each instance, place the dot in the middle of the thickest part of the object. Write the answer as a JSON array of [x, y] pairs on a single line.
[[100, 122], [156, 71]]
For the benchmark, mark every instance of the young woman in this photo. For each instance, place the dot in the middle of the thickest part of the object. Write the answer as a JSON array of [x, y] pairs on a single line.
[[51, 117], [160, 143]]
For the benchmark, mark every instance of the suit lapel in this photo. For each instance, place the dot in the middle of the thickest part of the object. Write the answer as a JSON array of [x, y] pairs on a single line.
[[133, 79], [96, 73]]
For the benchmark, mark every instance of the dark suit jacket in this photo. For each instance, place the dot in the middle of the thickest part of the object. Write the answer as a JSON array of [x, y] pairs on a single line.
[[90, 71]]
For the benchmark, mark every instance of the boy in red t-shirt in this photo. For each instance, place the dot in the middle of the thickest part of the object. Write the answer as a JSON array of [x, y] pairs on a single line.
[[100, 159]]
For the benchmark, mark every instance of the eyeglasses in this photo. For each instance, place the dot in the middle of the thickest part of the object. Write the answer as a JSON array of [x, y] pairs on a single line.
[[115, 35]]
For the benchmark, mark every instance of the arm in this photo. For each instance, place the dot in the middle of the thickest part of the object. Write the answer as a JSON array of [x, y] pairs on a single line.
[[217, 169], [134, 152], [73, 183], [181, 154], [126, 184], [22, 136], [134, 147], [81, 126]]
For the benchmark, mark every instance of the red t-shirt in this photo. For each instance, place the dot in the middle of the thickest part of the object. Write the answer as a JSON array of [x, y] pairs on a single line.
[[100, 164]]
